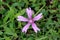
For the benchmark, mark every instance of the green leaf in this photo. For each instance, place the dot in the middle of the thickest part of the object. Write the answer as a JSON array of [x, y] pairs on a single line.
[[7, 38], [8, 15], [1, 32], [33, 1], [21, 12], [30, 38], [42, 38], [10, 32], [0, 2], [54, 2], [53, 11], [19, 24]]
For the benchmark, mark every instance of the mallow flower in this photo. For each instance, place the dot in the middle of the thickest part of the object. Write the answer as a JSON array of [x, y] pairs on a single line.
[[30, 20]]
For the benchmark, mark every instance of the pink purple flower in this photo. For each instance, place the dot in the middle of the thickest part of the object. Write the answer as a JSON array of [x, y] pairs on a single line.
[[30, 20]]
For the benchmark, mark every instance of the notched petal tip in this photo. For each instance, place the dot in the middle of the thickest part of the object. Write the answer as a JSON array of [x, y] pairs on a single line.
[[28, 8], [18, 19], [21, 18], [35, 28], [29, 12], [24, 31], [41, 13], [39, 16], [18, 16], [25, 28]]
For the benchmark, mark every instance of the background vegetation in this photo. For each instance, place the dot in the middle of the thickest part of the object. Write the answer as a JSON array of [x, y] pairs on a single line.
[[10, 28]]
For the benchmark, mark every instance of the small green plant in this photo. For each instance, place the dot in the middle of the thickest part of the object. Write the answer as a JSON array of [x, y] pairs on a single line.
[[10, 28]]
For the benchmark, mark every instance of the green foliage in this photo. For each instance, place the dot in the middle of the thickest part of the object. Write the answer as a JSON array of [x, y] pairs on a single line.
[[10, 28]]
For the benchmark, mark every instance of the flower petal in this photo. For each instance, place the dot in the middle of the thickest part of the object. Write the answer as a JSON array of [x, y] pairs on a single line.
[[35, 27], [39, 16], [21, 18], [29, 12], [25, 28]]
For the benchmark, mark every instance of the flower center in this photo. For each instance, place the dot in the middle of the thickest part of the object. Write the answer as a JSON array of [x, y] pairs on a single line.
[[31, 21]]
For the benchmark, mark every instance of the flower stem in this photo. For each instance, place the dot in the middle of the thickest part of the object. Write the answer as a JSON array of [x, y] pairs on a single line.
[[39, 10]]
